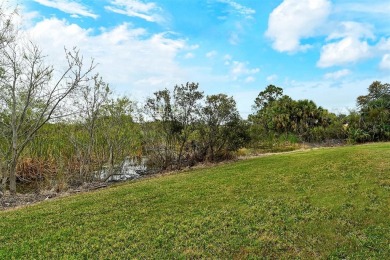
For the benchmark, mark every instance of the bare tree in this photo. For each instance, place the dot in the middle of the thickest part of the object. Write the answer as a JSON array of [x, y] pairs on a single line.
[[31, 93], [6, 36], [89, 104]]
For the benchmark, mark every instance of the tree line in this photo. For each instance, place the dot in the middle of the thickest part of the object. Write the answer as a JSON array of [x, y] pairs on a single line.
[[60, 128], [277, 116]]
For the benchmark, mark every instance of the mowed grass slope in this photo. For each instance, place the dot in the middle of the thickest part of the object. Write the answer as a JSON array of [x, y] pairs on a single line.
[[326, 203]]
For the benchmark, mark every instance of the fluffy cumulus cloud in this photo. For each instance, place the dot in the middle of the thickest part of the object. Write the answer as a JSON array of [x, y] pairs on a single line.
[[129, 58], [385, 63], [347, 50], [73, 8], [383, 48], [347, 44], [353, 30], [294, 20], [135, 8]]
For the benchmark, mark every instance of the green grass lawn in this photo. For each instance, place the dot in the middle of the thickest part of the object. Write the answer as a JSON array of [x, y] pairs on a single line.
[[325, 203]]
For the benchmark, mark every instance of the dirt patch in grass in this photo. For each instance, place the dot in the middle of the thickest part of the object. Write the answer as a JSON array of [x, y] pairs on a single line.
[[8, 201]]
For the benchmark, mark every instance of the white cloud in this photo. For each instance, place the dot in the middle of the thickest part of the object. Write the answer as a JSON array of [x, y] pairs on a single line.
[[130, 59], [240, 69], [227, 58], [234, 38], [211, 54], [337, 74], [189, 55], [240, 9], [294, 20], [136, 8], [24, 19], [349, 43], [352, 29], [377, 8], [385, 63], [193, 47], [383, 48], [384, 45], [250, 79], [237, 33], [348, 50], [54, 34], [70, 7], [272, 78]]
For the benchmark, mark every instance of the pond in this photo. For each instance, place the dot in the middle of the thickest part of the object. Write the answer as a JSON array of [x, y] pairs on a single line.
[[129, 169]]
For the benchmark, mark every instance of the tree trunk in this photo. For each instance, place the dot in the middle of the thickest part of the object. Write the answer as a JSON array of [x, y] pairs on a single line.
[[111, 170], [3, 185], [12, 176], [179, 160], [14, 160], [3, 179], [211, 155]]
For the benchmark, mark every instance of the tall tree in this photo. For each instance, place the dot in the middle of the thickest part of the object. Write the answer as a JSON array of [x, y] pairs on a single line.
[[175, 114], [375, 111], [161, 133], [30, 94], [187, 105], [220, 126], [279, 115], [269, 95]]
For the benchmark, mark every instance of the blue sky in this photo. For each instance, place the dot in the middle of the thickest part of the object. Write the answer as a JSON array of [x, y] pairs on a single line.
[[325, 50]]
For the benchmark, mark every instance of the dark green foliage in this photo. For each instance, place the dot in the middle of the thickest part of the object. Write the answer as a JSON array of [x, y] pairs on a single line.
[[269, 95], [221, 130], [277, 115], [374, 109]]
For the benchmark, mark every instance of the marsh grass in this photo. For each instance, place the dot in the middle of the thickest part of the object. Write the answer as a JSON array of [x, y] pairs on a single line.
[[323, 203]]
